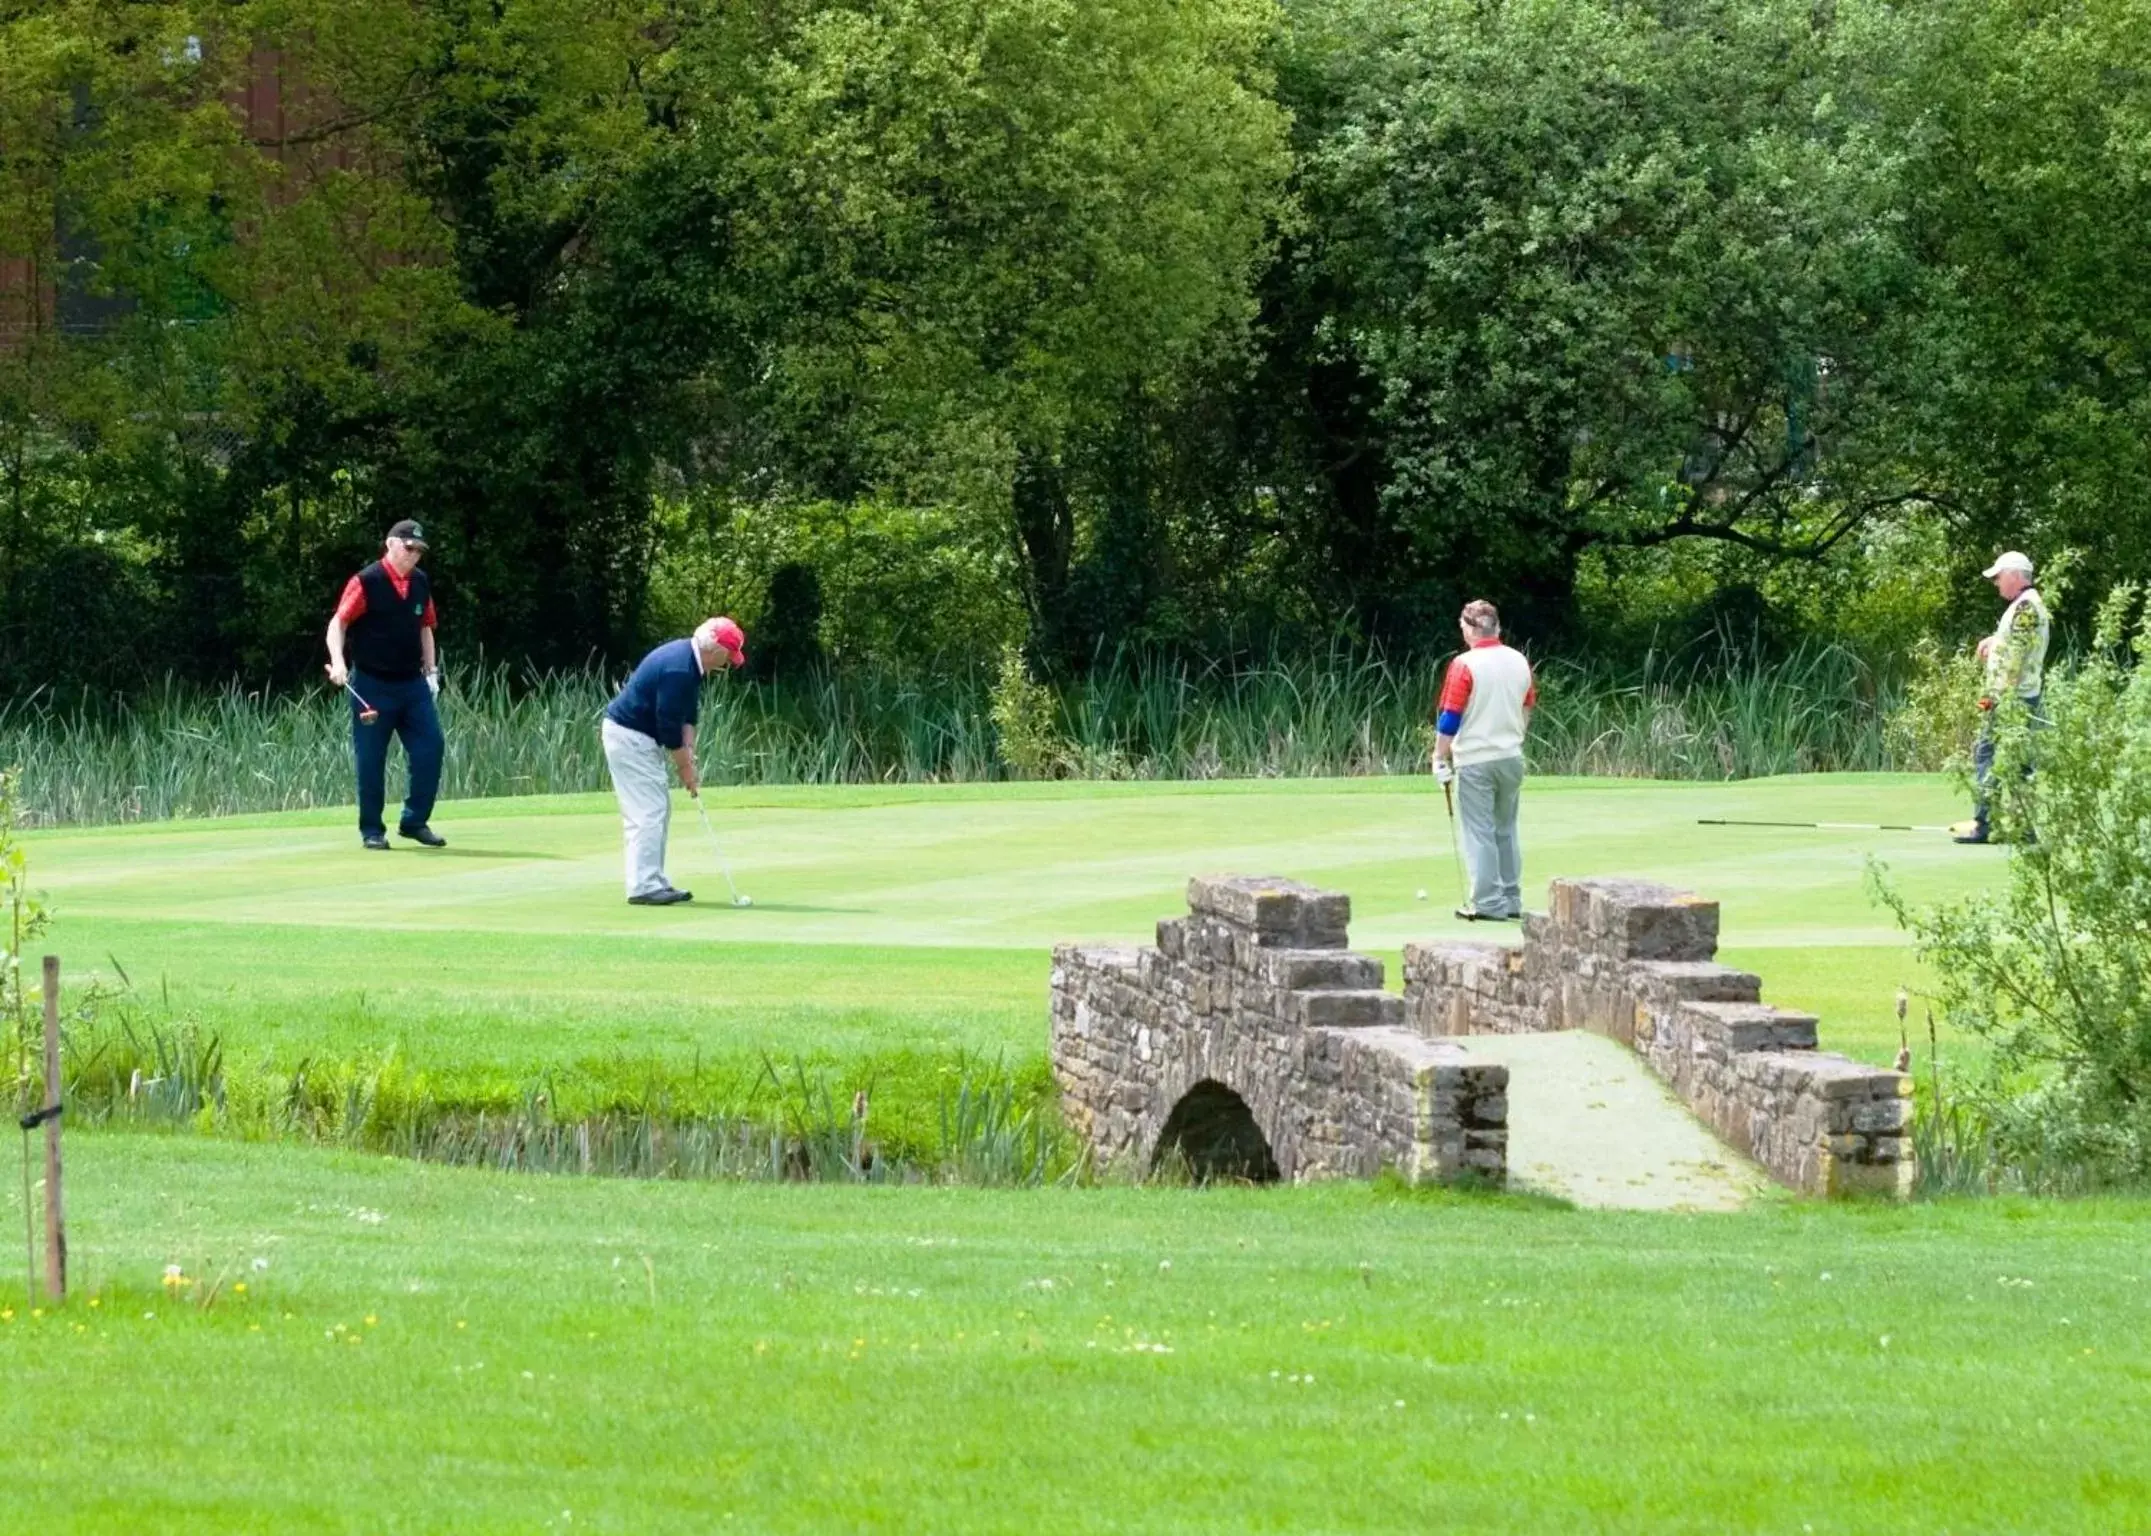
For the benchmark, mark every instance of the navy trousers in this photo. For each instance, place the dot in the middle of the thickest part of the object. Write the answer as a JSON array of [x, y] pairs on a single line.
[[1983, 761], [406, 710]]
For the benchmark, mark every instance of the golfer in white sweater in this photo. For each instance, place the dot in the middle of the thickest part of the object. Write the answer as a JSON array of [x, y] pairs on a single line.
[[1485, 709]]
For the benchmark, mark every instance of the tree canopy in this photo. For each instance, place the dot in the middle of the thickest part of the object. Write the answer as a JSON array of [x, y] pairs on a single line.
[[1174, 326]]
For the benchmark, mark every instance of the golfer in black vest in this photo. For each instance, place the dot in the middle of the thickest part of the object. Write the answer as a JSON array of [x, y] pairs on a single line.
[[386, 620]]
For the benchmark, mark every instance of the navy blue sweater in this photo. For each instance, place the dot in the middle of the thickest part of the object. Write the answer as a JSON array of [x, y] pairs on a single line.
[[663, 696]]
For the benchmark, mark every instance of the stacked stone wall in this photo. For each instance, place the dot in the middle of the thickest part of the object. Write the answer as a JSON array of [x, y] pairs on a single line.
[[1255, 990], [1637, 962]]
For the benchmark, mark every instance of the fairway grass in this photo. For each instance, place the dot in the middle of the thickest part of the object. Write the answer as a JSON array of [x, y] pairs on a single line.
[[428, 1349], [420, 1348], [912, 921]]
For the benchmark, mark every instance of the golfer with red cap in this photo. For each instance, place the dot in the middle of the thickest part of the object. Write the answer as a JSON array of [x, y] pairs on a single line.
[[651, 717], [384, 621]]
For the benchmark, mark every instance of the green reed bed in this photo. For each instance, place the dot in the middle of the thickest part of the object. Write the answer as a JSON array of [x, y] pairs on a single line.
[[903, 1120], [178, 751]]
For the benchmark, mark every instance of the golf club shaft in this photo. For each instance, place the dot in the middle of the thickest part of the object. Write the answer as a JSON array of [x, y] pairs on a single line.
[[362, 704], [723, 863], [1821, 826], [1456, 843]]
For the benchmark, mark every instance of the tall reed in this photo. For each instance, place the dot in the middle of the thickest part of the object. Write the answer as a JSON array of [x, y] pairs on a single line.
[[178, 751], [994, 1127]]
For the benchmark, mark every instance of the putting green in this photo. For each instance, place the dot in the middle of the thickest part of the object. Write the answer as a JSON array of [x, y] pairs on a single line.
[[903, 919]]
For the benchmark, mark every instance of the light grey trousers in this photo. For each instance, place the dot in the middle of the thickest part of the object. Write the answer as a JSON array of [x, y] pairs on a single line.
[[1487, 795], [638, 778]]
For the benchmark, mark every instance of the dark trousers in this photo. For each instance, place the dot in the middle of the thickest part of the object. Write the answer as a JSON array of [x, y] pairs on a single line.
[[1983, 760], [406, 710]]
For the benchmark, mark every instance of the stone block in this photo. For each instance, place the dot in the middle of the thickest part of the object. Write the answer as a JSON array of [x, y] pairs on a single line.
[[1309, 969], [1667, 982], [1889, 1114], [1634, 919], [1747, 1026], [1277, 913], [1347, 1009]]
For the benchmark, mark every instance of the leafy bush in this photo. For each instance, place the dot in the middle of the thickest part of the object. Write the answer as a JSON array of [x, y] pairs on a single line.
[[22, 919], [902, 589], [1026, 729], [2054, 972], [1934, 725]]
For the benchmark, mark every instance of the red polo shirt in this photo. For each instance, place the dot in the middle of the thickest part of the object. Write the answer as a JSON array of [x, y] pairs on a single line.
[[353, 603]]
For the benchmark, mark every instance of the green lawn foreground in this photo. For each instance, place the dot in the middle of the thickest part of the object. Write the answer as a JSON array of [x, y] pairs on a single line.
[[900, 922], [427, 1349]]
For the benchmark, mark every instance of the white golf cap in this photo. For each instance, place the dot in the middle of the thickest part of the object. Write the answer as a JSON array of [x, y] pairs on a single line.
[[2012, 560]]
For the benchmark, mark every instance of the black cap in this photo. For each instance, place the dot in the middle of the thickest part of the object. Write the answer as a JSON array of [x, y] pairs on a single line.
[[409, 532]]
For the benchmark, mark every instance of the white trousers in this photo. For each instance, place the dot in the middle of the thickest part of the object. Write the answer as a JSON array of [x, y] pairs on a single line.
[[638, 778]]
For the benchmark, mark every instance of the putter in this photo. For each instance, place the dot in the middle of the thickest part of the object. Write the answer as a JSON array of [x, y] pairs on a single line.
[[1456, 844], [722, 862], [367, 713]]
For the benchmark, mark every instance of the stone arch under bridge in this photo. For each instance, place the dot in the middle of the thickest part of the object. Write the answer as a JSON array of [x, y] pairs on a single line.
[[1254, 1000]]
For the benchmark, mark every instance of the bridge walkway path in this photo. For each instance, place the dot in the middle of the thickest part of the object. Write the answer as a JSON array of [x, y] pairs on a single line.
[[1589, 1122]]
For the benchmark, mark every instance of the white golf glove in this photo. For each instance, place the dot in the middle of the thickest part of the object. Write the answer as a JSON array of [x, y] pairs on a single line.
[[1444, 771], [433, 682]]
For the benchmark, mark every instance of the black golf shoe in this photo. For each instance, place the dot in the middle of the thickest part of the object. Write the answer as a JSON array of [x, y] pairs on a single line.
[[1970, 837], [375, 841], [424, 836], [668, 897]]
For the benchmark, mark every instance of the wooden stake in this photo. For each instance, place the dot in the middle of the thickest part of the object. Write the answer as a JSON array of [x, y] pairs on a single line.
[[55, 1220]]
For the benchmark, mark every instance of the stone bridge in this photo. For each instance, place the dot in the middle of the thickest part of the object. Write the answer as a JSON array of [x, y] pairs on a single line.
[[1252, 1043], [1637, 962]]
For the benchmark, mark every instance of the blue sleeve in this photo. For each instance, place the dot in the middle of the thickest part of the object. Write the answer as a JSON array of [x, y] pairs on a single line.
[[1448, 722]]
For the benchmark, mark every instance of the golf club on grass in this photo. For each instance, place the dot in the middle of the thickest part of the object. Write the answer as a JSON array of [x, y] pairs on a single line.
[[367, 713], [722, 862], [1823, 826]]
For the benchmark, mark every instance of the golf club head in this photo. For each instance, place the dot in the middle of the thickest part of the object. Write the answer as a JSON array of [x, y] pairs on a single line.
[[368, 716], [742, 901]]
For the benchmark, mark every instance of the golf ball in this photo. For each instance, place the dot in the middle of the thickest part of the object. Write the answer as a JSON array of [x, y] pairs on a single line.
[[744, 901], [1422, 895]]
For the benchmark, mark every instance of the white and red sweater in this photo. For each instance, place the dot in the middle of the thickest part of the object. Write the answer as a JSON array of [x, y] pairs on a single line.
[[1485, 703]]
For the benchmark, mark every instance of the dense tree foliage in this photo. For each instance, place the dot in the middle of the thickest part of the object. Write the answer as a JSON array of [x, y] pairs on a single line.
[[1112, 323]]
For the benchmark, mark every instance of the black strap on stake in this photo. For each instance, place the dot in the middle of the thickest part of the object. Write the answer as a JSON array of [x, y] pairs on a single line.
[[38, 1117]]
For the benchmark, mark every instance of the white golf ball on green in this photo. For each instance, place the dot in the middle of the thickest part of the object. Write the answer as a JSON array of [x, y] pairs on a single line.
[[1422, 895]]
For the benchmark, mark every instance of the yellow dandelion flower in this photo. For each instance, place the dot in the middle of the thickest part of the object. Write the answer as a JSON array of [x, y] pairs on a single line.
[[372, 1321], [238, 1288], [97, 1301]]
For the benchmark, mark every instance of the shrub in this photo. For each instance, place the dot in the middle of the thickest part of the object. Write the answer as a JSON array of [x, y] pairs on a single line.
[[1936, 721], [22, 919], [1025, 721], [909, 590], [2054, 971]]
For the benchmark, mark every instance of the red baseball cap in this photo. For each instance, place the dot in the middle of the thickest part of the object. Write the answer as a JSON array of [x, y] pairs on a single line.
[[727, 636]]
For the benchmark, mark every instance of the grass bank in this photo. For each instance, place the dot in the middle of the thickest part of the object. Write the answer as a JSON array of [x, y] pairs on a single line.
[[420, 1348], [178, 752]]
